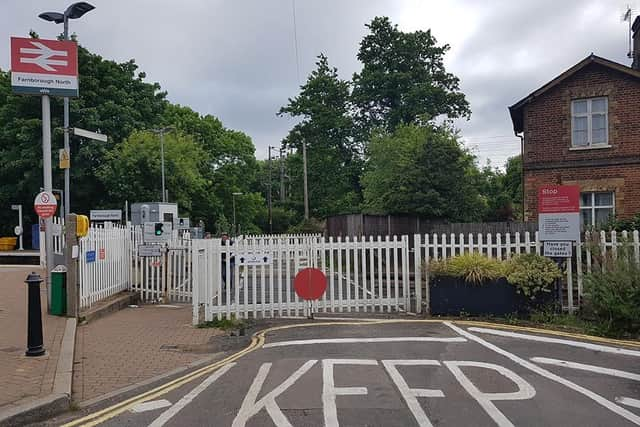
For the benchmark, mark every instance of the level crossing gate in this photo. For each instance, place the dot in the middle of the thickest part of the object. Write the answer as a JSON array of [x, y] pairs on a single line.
[[253, 277]]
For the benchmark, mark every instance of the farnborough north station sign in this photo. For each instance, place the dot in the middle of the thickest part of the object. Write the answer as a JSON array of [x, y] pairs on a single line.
[[44, 67]]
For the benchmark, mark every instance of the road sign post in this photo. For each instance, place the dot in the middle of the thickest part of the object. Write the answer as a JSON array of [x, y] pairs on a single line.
[[19, 227], [310, 284], [45, 67]]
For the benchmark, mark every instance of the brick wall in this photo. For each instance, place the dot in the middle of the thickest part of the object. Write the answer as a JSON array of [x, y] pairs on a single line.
[[623, 180], [547, 130]]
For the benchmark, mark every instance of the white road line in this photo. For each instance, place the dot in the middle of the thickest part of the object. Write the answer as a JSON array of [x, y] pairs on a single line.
[[596, 347], [583, 367], [330, 391], [362, 340], [525, 390], [635, 403], [188, 398], [410, 395], [150, 406], [251, 407], [549, 375]]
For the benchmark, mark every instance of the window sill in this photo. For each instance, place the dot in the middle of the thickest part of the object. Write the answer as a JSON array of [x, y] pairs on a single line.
[[590, 147]]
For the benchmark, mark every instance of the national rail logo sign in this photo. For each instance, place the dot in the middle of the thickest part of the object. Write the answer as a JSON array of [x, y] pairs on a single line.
[[44, 67]]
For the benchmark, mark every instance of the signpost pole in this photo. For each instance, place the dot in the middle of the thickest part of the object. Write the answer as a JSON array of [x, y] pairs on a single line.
[[46, 169], [20, 225], [67, 193]]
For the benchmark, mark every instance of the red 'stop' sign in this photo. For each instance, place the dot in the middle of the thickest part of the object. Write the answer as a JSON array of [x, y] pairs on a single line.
[[38, 56], [559, 199]]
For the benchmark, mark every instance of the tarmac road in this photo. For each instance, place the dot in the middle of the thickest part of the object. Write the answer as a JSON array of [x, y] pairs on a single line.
[[405, 374]]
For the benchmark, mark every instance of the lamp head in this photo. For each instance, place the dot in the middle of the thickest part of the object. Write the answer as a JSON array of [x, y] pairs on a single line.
[[76, 10], [56, 17]]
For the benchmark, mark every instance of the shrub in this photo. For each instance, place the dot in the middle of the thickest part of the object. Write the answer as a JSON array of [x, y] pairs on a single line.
[[532, 274], [472, 267], [612, 295]]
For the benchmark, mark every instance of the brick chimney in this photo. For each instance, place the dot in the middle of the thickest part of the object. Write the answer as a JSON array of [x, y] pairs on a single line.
[[635, 28]]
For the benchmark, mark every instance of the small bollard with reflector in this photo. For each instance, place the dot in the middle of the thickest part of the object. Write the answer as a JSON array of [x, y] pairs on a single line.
[[34, 320]]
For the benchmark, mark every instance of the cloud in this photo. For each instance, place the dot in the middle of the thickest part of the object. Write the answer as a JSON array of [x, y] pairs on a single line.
[[236, 59]]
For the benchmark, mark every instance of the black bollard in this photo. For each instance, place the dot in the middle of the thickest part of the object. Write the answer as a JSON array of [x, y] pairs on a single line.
[[34, 322]]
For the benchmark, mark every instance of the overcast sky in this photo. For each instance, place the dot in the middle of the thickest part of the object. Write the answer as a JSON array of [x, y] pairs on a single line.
[[235, 59]]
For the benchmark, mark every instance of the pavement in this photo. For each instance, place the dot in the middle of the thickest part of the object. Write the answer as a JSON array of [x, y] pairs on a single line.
[[134, 345], [25, 379], [395, 373]]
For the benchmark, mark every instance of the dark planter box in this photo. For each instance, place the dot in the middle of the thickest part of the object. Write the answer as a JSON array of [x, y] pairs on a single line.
[[450, 296]]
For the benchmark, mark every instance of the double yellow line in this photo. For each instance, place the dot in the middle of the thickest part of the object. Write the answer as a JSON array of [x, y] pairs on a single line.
[[257, 341]]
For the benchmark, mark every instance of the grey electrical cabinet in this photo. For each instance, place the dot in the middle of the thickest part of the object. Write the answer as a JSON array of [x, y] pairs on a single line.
[[153, 212]]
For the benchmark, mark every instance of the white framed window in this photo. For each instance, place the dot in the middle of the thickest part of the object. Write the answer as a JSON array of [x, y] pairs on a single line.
[[589, 122], [596, 208]]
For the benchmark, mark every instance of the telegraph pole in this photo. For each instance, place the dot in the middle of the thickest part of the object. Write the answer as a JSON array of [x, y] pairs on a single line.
[[281, 175]]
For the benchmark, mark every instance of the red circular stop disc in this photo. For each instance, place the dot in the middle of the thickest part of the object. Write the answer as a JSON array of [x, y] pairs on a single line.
[[310, 283]]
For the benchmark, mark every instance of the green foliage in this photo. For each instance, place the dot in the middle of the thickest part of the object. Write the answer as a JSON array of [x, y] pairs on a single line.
[[223, 225], [423, 171], [472, 267], [132, 170], [223, 324], [612, 293], [309, 226], [333, 160], [622, 224], [532, 274], [403, 79]]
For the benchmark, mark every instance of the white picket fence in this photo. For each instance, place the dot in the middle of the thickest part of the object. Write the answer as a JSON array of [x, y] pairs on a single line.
[[432, 247], [104, 263], [109, 264], [362, 276]]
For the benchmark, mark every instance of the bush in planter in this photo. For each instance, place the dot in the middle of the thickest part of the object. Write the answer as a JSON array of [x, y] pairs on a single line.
[[474, 268], [472, 284], [532, 274]]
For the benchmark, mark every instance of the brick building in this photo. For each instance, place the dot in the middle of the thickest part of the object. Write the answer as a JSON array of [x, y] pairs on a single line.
[[583, 128]]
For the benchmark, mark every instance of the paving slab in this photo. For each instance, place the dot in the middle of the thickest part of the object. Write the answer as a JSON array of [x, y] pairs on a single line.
[[25, 378]]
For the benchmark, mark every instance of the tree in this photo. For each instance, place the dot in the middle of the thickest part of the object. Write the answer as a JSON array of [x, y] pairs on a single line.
[[403, 79], [132, 170], [334, 160], [422, 170]]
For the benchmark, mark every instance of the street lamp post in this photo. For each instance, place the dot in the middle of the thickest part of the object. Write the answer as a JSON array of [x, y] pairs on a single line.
[[161, 132], [75, 11], [235, 225], [269, 194]]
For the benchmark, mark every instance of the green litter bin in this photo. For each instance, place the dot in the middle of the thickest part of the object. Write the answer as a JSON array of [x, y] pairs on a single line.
[[59, 291]]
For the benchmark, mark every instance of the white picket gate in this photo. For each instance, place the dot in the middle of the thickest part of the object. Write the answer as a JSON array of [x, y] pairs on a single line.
[[362, 276], [165, 278]]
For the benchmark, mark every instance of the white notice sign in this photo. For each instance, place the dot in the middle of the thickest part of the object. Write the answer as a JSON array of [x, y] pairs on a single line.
[[254, 259], [559, 226], [558, 249]]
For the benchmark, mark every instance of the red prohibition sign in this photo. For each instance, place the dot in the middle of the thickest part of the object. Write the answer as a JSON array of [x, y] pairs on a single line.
[[310, 283], [44, 198]]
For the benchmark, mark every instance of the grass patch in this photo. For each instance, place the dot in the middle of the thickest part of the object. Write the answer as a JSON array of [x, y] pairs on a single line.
[[223, 324]]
